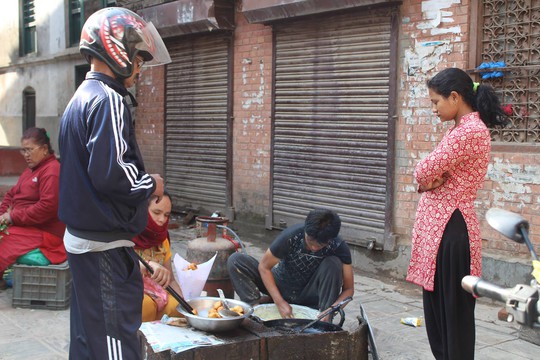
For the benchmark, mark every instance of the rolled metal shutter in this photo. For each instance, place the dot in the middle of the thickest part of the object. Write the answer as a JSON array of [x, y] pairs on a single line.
[[197, 116], [331, 128]]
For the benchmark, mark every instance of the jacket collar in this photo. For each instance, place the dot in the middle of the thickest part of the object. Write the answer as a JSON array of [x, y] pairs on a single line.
[[112, 82], [45, 160]]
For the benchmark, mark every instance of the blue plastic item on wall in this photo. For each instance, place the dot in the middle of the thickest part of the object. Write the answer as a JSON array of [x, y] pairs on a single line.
[[491, 65]]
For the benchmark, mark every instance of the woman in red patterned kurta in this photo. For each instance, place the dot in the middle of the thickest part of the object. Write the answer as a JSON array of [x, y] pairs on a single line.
[[446, 243]]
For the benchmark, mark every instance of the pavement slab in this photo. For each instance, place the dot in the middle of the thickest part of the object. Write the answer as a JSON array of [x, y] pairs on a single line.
[[44, 334]]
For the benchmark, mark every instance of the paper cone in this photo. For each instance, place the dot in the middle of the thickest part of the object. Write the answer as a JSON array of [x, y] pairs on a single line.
[[192, 281]]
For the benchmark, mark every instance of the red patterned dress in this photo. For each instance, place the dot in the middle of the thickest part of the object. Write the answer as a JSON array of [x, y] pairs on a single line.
[[463, 156]]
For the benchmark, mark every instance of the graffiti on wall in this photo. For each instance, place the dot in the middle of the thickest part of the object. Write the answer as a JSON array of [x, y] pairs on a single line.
[[423, 56], [437, 18]]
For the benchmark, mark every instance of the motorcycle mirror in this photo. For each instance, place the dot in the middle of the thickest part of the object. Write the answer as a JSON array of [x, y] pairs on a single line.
[[507, 223]]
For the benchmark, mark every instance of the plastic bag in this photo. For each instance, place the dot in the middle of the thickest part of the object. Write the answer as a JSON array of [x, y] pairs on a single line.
[[33, 258], [8, 276], [156, 292]]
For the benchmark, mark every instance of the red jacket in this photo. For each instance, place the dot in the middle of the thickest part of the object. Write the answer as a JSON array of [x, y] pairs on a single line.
[[34, 202]]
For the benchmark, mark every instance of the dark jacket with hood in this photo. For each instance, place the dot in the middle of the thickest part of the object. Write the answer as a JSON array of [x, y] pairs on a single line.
[[103, 184]]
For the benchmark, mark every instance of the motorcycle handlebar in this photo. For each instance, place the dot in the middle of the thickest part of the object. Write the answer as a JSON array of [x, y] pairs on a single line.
[[479, 287], [521, 301]]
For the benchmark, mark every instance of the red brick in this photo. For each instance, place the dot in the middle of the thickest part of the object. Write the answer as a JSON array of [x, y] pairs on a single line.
[[252, 139]]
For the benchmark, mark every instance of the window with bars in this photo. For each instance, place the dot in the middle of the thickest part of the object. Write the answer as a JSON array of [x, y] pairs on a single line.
[[75, 23], [79, 11], [509, 32], [29, 108], [28, 27]]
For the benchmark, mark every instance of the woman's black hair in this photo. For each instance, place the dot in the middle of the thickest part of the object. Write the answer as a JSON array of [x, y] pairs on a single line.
[[154, 197], [40, 137], [484, 100]]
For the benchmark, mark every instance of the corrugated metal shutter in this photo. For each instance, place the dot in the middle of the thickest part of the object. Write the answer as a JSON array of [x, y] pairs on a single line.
[[331, 121], [197, 117]]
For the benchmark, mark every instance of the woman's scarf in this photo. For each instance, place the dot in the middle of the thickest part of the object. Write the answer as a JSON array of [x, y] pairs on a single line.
[[152, 235]]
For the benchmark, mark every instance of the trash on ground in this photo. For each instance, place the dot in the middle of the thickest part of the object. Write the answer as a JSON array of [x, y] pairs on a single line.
[[412, 321]]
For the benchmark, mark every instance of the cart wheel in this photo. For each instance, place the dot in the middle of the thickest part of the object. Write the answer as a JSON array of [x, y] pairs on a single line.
[[372, 347]]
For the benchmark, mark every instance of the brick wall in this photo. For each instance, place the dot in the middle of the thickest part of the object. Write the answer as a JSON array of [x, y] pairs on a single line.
[[433, 35], [429, 44], [422, 54], [252, 116], [13, 163], [150, 118], [513, 183], [136, 5], [251, 110]]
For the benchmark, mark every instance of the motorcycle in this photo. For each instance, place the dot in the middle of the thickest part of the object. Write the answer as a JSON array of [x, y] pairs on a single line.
[[521, 301]]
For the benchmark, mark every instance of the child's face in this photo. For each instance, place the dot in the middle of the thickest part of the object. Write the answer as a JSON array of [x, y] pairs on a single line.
[[445, 108], [160, 211]]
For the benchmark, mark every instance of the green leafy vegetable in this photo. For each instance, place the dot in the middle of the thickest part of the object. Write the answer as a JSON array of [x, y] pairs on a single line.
[[3, 229]]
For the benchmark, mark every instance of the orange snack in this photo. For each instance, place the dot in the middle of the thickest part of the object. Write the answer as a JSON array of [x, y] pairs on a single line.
[[191, 266]]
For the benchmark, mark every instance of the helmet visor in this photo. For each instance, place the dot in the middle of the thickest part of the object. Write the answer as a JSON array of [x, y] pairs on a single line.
[[152, 48]]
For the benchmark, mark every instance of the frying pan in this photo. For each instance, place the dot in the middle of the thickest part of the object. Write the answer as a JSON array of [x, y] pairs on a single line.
[[299, 325], [309, 325]]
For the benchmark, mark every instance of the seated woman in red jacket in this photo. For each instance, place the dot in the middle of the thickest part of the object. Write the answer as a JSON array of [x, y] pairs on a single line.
[[30, 208]]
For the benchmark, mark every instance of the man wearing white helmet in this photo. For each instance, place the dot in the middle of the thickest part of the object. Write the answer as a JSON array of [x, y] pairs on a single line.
[[104, 189]]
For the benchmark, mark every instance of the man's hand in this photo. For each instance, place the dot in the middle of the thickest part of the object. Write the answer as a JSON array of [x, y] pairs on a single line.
[[285, 310], [327, 317], [160, 187], [268, 261]]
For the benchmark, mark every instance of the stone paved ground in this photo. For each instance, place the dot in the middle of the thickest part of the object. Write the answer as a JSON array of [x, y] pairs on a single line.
[[44, 334]]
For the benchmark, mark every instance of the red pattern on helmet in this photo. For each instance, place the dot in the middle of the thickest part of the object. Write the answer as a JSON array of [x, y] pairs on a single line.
[[112, 32], [113, 44], [86, 38], [116, 36]]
